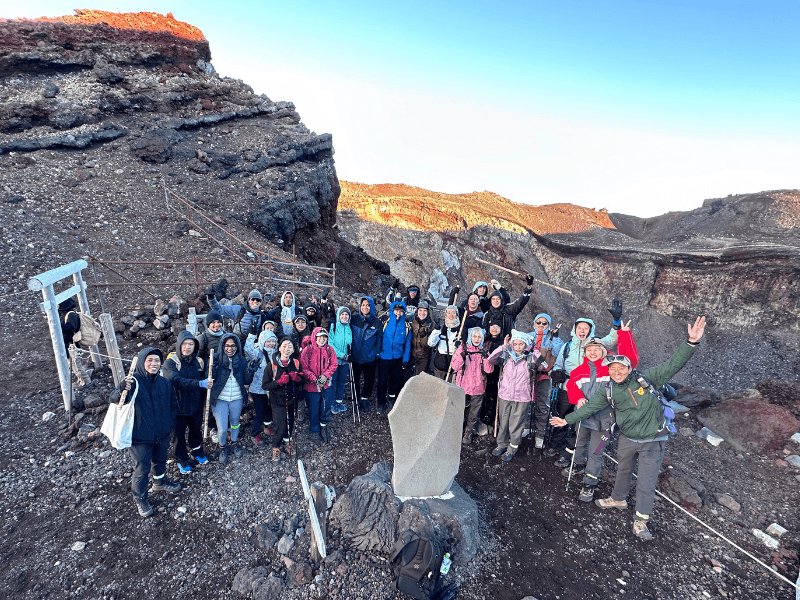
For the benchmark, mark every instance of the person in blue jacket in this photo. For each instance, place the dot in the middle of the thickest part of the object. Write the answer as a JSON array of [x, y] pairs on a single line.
[[394, 355], [341, 340], [367, 331]]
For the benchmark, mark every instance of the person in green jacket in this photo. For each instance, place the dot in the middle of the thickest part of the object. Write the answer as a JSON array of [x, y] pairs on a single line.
[[641, 422]]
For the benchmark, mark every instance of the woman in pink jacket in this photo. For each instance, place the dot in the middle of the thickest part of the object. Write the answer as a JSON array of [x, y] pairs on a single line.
[[515, 389], [318, 363], [470, 367]]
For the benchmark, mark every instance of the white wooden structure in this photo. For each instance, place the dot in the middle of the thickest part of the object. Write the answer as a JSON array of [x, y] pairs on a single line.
[[44, 283]]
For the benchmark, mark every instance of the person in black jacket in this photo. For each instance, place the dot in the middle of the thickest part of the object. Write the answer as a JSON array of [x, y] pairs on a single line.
[[71, 325], [155, 409], [186, 372], [231, 374], [209, 339], [281, 379], [504, 314]]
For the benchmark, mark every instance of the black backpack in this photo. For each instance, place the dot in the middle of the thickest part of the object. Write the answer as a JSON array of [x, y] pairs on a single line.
[[416, 562]]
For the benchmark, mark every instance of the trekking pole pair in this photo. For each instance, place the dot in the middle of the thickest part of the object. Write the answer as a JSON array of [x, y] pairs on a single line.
[[354, 393], [548, 430]]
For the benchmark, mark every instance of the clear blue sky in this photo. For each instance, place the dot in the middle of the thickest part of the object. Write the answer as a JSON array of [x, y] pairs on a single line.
[[640, 107]]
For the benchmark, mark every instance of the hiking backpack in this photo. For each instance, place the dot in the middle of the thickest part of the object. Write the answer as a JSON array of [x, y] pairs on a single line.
[[668, 426], [416, 562], [89, 333]]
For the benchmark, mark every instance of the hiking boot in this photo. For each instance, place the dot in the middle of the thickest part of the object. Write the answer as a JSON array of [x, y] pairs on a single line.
[[611, 503], [276, 455], [237, 451], [640, 530], [483, 429], [382, 409], [498, 451], [201, 460], [223, 455], [576, 470], [539, 442], [509, 454], [467, 439], [363, 406], [257, 440], [184, 468], [165, 485], [526, 432], [214, 436], [587, 493], [562, 462], [338, 408], [269, 429], [325, 433], [144, 507], [550, 452]]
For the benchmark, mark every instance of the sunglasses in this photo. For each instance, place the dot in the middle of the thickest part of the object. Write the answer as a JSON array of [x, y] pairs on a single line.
[[255, 300], [542, 323]]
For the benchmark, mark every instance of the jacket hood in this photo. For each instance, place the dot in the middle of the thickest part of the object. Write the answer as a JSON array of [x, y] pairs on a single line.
[[264, 324], [591, 329], [144, 353], [318, 330], [311, 306], [397, 303], [339, 314], [371, 305], [262, 339], [227, 337], [283, 295], [502, 300], [479, 284], [182, 337], [478, 330]]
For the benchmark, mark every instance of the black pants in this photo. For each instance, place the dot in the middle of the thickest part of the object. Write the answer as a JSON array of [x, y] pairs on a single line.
[[194, 423], [390, 376], [368, 370], [282, 432], [144, 456], [490, 398], [560, 438], [263, 412], [421, 364]]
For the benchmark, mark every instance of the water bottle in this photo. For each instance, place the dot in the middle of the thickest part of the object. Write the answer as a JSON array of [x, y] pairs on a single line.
[[446, 562]]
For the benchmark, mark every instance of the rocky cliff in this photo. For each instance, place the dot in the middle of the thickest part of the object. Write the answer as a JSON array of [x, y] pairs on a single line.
[[137, 91], [735, 260]]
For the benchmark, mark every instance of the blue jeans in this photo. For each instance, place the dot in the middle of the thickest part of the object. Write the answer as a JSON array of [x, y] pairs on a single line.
[[226, 413], [336, 391], [314, 399]]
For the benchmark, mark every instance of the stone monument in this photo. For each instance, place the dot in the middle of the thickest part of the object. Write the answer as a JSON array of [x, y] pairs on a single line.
[[426, 424]]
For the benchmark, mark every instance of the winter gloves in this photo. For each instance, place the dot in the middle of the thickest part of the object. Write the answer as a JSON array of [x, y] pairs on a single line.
[[294, 376], [558, 377], [529, 280], [616, 313], [253, 327], [283, 379], [203, 383]]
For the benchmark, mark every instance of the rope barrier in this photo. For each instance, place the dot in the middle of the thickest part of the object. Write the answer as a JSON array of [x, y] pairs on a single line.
[[715, 532], [84, 352]]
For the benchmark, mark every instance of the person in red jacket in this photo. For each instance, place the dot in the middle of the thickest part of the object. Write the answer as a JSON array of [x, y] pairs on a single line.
[[583, 382], [318, 362]]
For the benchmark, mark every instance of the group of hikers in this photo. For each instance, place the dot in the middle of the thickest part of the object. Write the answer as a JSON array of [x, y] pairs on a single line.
[[294, 363]]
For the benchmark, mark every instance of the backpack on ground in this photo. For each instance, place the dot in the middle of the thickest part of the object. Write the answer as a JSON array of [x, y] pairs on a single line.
[[89, 333], [416, 562]]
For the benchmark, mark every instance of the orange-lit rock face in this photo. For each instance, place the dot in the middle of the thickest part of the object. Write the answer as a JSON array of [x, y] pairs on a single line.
[[142, 21], [415, 208]]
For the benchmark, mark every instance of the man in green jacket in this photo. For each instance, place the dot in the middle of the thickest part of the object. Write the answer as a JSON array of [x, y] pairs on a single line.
[[641, 422]]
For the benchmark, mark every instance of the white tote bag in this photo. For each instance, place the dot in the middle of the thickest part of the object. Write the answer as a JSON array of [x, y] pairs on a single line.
[[118, 424]]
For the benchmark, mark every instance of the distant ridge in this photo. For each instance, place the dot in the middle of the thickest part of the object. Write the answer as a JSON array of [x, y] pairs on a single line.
[[416, 208]]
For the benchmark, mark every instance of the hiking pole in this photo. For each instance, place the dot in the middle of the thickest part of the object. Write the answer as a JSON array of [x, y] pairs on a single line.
[[555, 287], [288, 434], [574, 452], [548, 429], [354, 392], [208, 396]]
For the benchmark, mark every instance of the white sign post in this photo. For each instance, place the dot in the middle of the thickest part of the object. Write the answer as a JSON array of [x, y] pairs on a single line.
[[312, 511]]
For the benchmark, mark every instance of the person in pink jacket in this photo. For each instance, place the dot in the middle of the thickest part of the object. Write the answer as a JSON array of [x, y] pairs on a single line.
[[318, 363], [470, 367], [515, 389]]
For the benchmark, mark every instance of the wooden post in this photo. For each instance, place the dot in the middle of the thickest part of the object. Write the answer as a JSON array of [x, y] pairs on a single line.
[[321, 508], [112, 349], [83, 303]]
